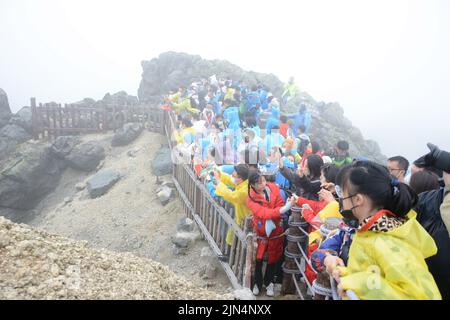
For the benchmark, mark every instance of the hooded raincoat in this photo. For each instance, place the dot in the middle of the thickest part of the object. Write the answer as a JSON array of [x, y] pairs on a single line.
[[391, 265], [236, 197]]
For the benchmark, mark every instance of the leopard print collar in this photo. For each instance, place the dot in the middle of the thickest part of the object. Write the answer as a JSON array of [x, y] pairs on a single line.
[[385, 223]]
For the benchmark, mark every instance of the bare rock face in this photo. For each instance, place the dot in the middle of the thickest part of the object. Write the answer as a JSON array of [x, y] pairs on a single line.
[[172, 69], [23, 118], [64, 145], [5, 111], [14, 132], [28, 177], [120, 98], [127, 134], [86, 157]]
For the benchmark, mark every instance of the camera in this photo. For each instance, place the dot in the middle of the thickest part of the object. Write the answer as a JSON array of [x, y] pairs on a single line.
[[436, 158]]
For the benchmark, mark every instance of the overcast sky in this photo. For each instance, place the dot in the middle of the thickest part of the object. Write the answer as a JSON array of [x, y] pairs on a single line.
[[386, 62]]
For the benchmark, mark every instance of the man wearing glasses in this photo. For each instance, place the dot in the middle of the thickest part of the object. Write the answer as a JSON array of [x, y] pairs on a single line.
[[398, 166]]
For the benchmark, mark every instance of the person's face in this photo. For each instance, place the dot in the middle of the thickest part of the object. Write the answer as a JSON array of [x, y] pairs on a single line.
[[360, 204], [236, 177], [347, 200], [287, 146], [260, 185], [209, 106], [395, 170]]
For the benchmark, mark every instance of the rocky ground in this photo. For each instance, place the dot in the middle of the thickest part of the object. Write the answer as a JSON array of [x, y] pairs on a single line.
[[37, 265], [129, 217]]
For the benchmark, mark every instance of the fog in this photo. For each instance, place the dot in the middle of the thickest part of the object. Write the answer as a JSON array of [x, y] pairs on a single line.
[[386, 62]]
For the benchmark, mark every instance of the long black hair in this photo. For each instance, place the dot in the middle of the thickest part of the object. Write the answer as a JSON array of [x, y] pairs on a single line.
[[314, 164], [330, 172], [374, 181]]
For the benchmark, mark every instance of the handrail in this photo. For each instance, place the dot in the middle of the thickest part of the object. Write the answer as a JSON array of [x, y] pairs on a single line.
[[212, 219]]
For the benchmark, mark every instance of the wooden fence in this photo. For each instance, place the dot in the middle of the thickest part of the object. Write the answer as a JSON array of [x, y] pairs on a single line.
[[213, 218], [53, 120]]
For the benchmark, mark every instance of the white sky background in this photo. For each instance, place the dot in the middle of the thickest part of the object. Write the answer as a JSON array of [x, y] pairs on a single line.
[[386, 62]]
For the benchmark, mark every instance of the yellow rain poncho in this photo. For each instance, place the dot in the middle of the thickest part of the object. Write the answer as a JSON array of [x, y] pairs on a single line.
[[391, 265], [229, 94], [237, 198], [184, 105], [290, 90], [331, 210], [180, 136]]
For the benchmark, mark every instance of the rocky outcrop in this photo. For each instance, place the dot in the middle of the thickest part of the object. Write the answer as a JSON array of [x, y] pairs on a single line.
[[7, 144], [120, 98], [28, 177], [330, 126], [171, 69], [5, 111], [23, 118], [15, 133], [162, 163], [101, 182], [86, 157], [127, 134], [64, 145], [33, 170]]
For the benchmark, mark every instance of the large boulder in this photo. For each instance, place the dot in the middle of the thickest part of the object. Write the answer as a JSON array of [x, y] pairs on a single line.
[[86, 102], [28, 177], [6, 147], [172, 69], [5, 111], [127, 134], [85, 157], [162, 163], [64, 145], [120, 98], [101, 182], [333, 113], [23, 118], [14, 132]]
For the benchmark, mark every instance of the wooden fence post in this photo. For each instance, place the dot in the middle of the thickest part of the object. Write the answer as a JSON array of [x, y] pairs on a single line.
[[34, 119]]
